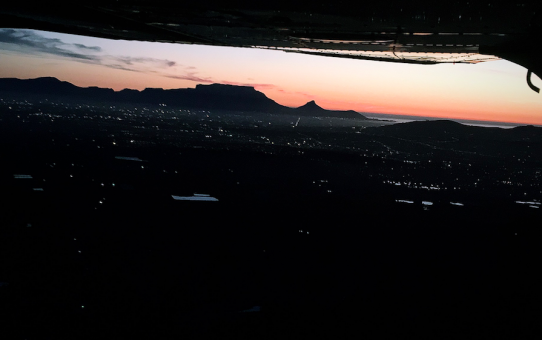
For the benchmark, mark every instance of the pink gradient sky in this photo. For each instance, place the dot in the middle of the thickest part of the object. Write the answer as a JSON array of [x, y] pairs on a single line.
[[492, 91]]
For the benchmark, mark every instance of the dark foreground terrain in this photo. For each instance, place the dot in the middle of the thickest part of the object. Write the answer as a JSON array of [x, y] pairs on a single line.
[[322, 228]]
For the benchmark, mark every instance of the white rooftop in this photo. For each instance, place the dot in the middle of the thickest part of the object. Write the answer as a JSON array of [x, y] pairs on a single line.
[[195, 197]]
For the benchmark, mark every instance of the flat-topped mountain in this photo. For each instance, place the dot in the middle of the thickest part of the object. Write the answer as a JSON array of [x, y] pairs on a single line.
[[204, 97]]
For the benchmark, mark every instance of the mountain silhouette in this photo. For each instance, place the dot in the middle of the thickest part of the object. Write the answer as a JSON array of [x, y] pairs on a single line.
[[203, 97], [312, 109], [447, 130]]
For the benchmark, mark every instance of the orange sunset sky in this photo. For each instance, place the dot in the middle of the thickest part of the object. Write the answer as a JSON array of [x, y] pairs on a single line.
[[491, 91]]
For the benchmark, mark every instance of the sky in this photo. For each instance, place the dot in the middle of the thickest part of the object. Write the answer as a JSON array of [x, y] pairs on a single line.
[[489, 91]]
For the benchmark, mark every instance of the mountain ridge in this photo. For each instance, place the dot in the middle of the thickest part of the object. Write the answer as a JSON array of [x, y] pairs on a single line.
[[203, 96]]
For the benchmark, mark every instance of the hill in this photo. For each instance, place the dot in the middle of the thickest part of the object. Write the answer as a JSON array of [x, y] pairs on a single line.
[[312, 109], [448, 131]]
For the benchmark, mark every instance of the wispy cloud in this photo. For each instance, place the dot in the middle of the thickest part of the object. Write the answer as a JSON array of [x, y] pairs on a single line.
[[32, 43], [190, 73], [122, 67], [88, 48], [255, 85], [153, 62]]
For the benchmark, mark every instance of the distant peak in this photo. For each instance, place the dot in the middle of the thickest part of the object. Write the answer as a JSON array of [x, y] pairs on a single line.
[[310, 105]]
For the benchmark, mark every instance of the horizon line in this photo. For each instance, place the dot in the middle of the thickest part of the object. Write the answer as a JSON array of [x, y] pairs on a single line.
[[292, 107]]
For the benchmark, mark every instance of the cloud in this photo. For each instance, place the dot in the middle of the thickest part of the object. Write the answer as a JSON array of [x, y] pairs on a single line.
[[32, 43], [122, 67], [255, 85], [127, 60], [190, 74], [192, 78], [88, 48]]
